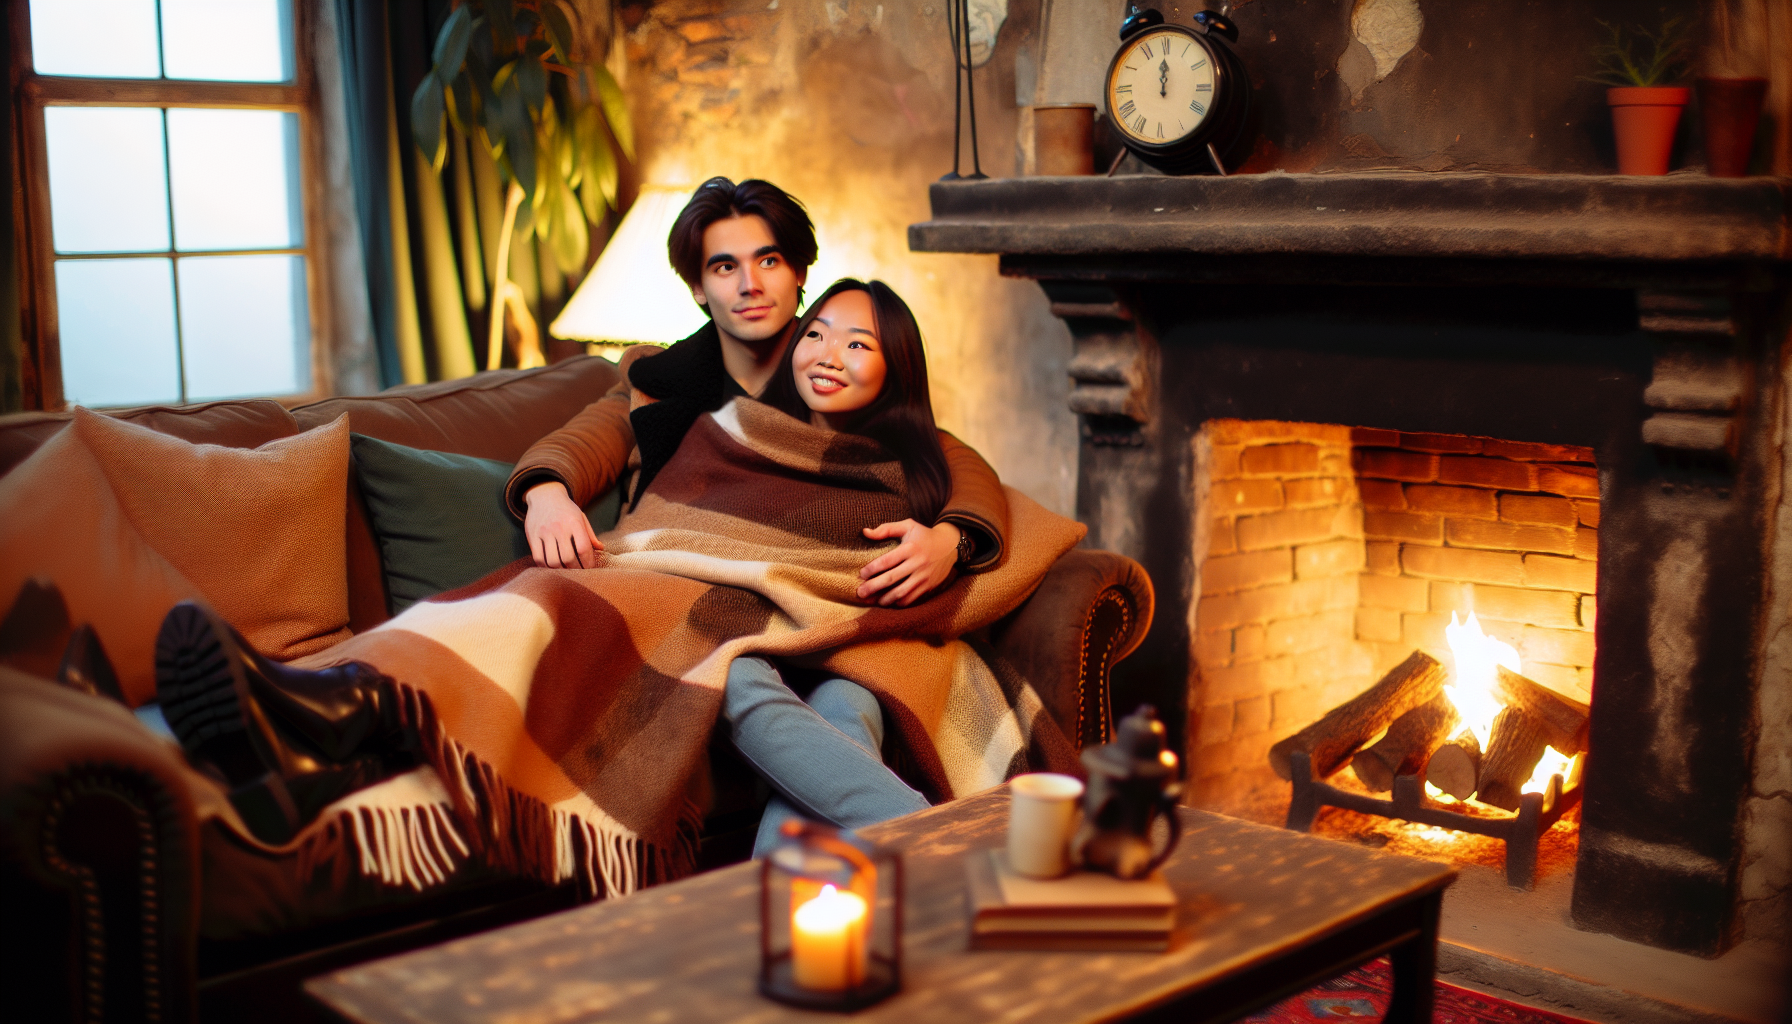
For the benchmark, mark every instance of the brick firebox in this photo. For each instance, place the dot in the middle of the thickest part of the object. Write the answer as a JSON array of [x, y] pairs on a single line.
[[1333, 552]]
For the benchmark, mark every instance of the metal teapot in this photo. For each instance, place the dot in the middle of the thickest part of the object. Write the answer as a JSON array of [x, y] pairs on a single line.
[[1132, 780]]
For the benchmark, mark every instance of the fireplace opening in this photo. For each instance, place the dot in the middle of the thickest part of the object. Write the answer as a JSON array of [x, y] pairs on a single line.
[[1336, 557]]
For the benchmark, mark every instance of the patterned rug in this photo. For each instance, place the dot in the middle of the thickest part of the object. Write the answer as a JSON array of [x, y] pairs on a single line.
[[1363, 993]]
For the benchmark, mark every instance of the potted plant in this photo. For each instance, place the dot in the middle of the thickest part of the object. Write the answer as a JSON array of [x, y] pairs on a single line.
[[504, 75], [1641, 66], [1731, 93]]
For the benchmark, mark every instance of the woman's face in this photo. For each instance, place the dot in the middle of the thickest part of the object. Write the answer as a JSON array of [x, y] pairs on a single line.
[[839, 361]]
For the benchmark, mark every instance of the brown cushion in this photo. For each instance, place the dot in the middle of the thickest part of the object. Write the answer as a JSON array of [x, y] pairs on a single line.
[[127, 522], [237, 424], [495, 415]]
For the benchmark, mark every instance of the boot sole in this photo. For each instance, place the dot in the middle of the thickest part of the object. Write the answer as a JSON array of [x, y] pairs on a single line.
[[206, 701]]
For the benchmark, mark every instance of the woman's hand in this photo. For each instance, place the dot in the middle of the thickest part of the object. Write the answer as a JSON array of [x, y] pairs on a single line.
[[920, 563], [559, 535]]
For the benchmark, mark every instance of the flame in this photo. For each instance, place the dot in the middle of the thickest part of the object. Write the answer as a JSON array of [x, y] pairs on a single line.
[[1554, 763], [1477, 657]]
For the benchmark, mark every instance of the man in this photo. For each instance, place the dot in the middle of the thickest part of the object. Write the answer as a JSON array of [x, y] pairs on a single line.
[[745, 251]]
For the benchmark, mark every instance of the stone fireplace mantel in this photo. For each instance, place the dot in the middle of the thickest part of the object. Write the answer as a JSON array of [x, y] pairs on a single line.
[[1594, 219], [1638, 319]]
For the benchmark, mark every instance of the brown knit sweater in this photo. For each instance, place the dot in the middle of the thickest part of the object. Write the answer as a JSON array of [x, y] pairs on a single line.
[[597, 448]]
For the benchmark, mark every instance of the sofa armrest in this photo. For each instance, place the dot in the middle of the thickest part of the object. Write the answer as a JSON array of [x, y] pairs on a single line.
[[98, 861], [1091, 610]]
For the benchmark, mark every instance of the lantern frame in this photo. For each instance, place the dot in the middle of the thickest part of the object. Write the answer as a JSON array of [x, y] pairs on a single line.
[[872, 873]]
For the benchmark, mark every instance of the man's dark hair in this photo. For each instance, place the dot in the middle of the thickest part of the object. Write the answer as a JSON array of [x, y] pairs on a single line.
[[718, 199]]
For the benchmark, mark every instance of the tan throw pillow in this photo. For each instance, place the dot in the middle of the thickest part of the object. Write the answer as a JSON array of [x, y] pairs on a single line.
[[127, 522]]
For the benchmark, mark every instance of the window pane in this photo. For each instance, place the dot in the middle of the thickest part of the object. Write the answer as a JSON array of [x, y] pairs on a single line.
[[116, 319], [245, 329], [107, 179], [95, 38], [235, 179], [228, 40]]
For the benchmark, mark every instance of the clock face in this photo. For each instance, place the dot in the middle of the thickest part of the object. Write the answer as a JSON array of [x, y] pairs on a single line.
[[1161, 88]]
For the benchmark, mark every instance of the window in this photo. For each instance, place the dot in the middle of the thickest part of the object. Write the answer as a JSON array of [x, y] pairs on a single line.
[[165, 161]]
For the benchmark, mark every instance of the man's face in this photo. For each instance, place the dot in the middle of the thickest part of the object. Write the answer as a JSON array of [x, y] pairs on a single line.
[[749, 287]]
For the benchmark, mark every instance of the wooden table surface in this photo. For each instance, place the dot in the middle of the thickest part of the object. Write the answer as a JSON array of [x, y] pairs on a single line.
[[689, 951]]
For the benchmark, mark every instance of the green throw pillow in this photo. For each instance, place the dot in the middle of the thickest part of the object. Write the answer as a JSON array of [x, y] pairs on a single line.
[[439, 518]]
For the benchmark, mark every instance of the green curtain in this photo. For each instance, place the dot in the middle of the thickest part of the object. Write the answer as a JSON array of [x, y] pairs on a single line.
[[430, 238]]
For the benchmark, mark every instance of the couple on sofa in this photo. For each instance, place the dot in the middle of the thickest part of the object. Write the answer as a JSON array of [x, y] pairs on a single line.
[[566, 705]]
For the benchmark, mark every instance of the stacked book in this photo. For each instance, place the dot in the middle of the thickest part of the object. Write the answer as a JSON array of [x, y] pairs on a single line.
[[1084, 910]]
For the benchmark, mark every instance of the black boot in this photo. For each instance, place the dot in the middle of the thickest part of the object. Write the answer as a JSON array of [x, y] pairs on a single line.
[[287, 742], [85, 666]]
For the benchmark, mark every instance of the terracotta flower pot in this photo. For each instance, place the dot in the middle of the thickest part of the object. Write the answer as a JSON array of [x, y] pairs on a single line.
[[1645, 119], [1731, 108]]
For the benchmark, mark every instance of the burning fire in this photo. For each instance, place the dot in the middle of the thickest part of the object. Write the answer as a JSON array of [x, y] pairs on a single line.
[[1478, 658], [1554, 763]]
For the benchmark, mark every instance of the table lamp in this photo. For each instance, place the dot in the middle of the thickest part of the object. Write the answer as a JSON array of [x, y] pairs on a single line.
[[632, 294]]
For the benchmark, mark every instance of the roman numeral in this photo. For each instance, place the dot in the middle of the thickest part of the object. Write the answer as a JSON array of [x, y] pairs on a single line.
[[1139, 126], [1127, 110], [1145, 48], [1195, 105], [1185, 49], [1129, 67], [1124, 88], [1198, 65], [1160, 129], [1203, 87]]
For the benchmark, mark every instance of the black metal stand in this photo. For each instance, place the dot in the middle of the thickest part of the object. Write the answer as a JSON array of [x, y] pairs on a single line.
[[964, 95], [1537, 813]]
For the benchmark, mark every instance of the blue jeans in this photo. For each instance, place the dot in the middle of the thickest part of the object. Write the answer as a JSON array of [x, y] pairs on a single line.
[[820, 756]]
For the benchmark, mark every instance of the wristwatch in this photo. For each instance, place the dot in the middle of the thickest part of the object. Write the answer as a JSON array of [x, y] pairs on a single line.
[[966, 545]]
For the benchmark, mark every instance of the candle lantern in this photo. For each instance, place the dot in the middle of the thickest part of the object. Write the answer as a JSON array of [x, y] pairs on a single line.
[[830, 920]]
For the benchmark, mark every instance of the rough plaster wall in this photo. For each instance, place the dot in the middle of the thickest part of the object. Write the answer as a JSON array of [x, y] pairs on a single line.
[[848, 104], [1767, 815]]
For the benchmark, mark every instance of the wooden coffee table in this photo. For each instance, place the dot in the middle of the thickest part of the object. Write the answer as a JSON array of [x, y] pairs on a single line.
[[1264, 913]]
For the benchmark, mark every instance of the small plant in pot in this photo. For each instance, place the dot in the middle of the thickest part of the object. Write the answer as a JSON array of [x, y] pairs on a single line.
[[1642, 66]]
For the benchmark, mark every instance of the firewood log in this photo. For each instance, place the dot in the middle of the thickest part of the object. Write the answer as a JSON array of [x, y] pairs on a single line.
[[1456, 766], [1513, 750], [1408, 744], [1564, 720], [1330, 741]]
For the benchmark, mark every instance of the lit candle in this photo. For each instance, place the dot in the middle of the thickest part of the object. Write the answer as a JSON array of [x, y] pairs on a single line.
[[827, 941]]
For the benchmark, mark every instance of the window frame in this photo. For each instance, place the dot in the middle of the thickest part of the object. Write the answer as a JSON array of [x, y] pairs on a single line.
[[41, 371]]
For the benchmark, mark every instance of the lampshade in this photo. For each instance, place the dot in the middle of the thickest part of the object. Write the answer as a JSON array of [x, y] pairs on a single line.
[[632, 295]]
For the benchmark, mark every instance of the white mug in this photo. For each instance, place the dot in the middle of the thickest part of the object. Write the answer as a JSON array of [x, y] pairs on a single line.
[[1042, 813]]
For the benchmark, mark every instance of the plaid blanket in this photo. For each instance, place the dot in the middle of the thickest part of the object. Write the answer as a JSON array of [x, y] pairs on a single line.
[[567, 712]]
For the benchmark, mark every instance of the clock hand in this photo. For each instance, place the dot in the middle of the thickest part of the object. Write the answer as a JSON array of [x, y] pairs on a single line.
[[1163, 79]]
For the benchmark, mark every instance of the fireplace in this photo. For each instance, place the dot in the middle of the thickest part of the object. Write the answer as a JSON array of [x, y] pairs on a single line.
[[1327, 411]]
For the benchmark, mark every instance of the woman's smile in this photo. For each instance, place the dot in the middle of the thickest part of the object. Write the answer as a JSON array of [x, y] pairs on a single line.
[[839, 360]]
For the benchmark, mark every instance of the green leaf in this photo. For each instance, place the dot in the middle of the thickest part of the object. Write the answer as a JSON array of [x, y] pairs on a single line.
[[461, 105], [615, 110], [600, 171], [451, 42], [519, 137], [570, 240], [533, 78], [426, 119], [501, 80], [558, 28]]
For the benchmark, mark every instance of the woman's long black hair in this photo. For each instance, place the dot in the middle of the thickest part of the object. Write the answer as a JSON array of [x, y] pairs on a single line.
[[901, 417]]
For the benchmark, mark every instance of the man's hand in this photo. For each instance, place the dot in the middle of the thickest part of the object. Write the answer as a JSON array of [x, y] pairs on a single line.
[[559, 535], [920, 563]]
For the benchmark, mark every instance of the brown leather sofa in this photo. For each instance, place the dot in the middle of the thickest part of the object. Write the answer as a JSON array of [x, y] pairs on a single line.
[[122, 898]]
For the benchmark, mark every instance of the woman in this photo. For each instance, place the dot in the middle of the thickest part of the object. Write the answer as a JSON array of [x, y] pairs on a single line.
[[857, 366]]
